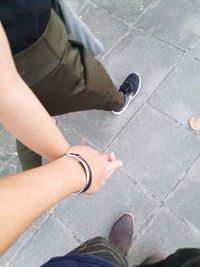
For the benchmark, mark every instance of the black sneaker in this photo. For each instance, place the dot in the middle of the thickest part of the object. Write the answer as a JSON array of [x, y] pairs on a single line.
[[130, 89]]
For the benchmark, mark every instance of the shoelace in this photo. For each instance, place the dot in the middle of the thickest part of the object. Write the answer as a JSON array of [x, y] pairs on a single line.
[[127, 87]]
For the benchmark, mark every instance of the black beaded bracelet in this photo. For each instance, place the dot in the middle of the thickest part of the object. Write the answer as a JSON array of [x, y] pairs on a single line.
[[86, 168]]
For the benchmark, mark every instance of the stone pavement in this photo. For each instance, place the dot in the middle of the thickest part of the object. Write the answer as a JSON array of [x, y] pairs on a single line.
[[160, 180]]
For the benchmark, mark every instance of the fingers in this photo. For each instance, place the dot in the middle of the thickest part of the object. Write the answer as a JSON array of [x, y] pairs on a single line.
[[112, 156], [116, 164], [112, 167]]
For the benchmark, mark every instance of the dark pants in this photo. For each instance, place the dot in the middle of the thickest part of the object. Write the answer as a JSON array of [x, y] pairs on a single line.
[[64, 77], [181, 258], [102, 248]]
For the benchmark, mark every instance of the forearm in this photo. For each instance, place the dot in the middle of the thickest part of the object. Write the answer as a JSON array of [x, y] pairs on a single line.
[[26, 196], [22, 114]]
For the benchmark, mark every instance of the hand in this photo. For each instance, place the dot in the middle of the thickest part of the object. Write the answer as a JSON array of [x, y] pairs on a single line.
[[102, 165]]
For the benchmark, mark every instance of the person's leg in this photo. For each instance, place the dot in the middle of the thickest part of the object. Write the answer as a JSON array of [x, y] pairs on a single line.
[[100, 247], [116, 248], [79, 83], [65, 77], [27, 157], [113, 250]]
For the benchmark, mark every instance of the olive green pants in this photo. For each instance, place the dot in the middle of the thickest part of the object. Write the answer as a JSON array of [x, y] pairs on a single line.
[[64, 77]]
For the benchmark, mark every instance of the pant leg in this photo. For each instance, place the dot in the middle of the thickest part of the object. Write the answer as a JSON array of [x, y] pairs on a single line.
[[27, 157], [79, 83], [63, 75], [102, 248]]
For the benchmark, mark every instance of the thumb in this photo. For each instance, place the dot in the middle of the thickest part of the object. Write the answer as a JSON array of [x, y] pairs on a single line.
[[112, 166]]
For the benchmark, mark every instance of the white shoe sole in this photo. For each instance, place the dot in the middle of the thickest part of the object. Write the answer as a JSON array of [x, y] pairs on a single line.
[[124, 109]]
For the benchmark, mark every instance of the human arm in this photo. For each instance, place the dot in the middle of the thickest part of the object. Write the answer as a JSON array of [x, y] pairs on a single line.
[[22, 114], [26, 196]]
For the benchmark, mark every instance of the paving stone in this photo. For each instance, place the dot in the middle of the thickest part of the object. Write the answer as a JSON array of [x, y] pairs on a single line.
[[176, 22], [128, 10], [145, 55], [17, 247], [154, 151], [195, 51], [92, 16], [76, 5], [52, 240], [22, 241], [9, 164], [89, 216], [179, 95], [7, 142], [71, 135], [79, 4], [100, 127], [185, 199], [164, 235]]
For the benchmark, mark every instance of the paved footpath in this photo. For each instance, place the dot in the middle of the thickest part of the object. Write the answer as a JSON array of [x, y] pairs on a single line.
[[160, 180]]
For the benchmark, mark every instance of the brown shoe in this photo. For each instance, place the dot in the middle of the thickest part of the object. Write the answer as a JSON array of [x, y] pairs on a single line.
[[155, 258], [122, 232]]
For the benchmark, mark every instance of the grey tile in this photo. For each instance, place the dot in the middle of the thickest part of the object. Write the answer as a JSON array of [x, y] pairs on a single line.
[[80, 4], [164, 235], [155, 151], [179, 95], [17, 247], [22, 242], [177, 22], [140, 53], [89, 216], [76, 5], [195, 51], [185, 199], [100, 127], [128, 10], [73, 136], [97, 19], [7, 142], [52, 240], [9, 164]]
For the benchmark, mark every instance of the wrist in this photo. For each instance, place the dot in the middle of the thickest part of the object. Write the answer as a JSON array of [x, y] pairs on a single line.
[[59, 152], [86, 167], [74, 176]]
